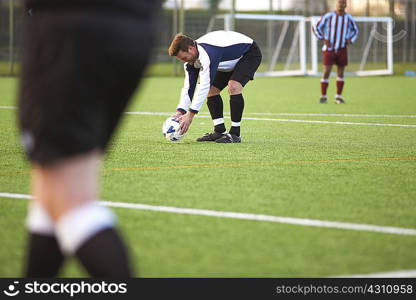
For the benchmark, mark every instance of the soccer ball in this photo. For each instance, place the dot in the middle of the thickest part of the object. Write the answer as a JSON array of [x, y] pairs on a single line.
[[170, 130]]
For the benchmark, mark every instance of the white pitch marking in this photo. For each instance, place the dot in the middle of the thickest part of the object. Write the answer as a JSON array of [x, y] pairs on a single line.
[[287, 114], [395, 274], [330, 122], [333, 115], [204, 115], [287, 120], [247, 216]]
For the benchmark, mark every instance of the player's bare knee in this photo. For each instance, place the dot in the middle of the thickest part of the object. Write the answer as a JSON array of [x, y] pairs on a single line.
[[327, 72], [213, 91], [234, 87]]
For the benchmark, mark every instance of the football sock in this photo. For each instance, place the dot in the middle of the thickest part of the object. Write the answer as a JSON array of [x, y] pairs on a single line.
[[340, 85], [87, 232], [236, 109], [324, 87], [216, 108], [104, 255], [43, 255]]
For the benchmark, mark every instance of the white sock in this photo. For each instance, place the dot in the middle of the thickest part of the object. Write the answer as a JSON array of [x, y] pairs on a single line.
[[218, 121], [38, 220], [80, 224]]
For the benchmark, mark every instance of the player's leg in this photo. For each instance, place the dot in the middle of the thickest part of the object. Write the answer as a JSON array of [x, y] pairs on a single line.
[[235, 89], [216, 107], [328, 61], [243, 72], [340, 85], [44, 257], [77, 103], [342, 62], [325, 83], [68, 189]]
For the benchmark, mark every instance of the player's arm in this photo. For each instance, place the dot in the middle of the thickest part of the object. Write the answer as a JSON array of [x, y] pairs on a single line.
[[188, 90], [206, 75], [319, 28], [352, 30]]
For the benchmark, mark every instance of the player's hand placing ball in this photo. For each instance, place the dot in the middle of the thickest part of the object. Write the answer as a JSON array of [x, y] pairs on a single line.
[[177, 114], [185, 121]]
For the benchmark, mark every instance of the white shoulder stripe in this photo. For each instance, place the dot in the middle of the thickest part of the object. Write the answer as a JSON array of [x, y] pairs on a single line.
[[223, 38]]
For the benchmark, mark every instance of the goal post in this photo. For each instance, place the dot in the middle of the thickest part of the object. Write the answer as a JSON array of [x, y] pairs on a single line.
[[370, 55], [290, 48], [282, 40]]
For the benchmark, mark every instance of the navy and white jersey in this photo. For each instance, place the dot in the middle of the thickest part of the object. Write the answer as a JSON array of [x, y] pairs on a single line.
[[336, 29], [218, 51]]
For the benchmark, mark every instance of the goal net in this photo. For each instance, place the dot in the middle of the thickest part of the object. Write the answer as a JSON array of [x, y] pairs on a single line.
[[371, 54], [290, 48]]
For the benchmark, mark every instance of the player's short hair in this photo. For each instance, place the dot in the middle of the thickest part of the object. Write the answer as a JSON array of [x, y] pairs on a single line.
[[180, 42]]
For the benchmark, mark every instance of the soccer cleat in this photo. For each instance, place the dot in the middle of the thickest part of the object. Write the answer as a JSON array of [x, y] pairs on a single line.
[[323, 100], [339, 100], [229, 138], [210, 137]]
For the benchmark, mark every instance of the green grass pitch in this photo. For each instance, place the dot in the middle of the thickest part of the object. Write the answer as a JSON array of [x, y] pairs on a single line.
[[323, 171]]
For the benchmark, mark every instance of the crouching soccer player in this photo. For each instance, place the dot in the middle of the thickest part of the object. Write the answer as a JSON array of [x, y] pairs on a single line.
[[338, 30], [82, 62], [219, 59]]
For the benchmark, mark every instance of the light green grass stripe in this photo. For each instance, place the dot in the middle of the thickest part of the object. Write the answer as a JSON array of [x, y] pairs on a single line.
[[248, 216]]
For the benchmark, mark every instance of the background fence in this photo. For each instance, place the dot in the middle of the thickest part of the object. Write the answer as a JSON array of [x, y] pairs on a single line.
[[193, 17]]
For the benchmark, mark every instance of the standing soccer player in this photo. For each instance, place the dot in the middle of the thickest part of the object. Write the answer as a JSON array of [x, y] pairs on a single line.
[[219, 59], [338, 30], [82, 61]]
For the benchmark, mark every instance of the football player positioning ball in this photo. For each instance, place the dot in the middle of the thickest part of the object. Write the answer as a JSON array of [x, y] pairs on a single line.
[[220, 59]]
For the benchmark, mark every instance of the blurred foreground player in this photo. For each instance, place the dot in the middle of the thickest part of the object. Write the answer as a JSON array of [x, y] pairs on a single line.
[[82, 62], [338, 30]]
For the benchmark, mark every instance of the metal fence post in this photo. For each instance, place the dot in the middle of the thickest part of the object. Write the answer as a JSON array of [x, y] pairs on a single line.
[[11, 37]]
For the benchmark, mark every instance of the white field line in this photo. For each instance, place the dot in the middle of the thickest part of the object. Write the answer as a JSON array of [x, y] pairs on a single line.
[[330, 122], [270, 114], [204, 115], [248, 216], [332, 115], [394, 274], [286, 114], [283, 120]]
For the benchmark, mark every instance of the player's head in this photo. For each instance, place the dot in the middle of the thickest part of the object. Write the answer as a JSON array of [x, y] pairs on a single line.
[[184, 48], [341, 5]]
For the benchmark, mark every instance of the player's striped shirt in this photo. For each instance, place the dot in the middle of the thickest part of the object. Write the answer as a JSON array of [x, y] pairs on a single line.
[[336, 29], [218, 51]]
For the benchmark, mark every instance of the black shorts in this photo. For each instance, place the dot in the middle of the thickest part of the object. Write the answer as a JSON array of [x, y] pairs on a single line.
[[243, 71], [79, 69]]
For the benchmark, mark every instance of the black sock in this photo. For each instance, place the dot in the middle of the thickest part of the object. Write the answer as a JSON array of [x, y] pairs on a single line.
[[236, 109], [44, 257], [216, 109], [104, 255]]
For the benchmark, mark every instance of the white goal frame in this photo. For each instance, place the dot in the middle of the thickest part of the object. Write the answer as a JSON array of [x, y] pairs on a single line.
[[300, 40], [389, 41]]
